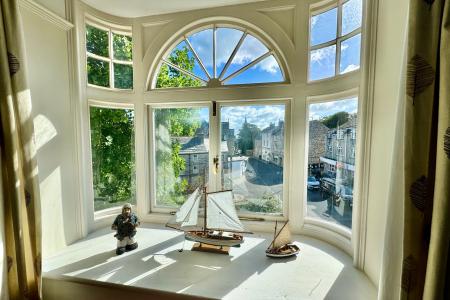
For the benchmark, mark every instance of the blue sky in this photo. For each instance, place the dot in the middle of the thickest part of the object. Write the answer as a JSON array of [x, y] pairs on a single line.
[[318, 111], [323, 29], [260, 115]]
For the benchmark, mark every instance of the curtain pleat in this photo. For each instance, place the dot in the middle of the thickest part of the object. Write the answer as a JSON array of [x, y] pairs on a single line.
[[20, 201]]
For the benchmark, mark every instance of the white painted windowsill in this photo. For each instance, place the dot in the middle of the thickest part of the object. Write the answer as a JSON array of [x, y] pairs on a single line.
[[319, 271]]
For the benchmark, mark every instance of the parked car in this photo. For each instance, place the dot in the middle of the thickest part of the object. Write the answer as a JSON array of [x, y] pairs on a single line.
[[313, 184]]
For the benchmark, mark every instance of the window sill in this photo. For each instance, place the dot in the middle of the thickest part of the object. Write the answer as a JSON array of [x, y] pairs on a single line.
[[319, 271]]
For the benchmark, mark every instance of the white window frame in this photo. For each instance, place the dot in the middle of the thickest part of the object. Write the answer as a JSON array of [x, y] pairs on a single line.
[[293, 60], [110, 30], [98, 215], [214, 182], [341, 234], [316, 9], [151, 153], [212, 81]]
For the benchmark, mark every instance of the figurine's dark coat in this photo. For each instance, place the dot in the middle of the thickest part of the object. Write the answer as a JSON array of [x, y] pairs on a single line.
[[125, 229]]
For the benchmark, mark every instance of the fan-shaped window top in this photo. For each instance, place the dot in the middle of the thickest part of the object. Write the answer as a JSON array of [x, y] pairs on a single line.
[[218, 56]]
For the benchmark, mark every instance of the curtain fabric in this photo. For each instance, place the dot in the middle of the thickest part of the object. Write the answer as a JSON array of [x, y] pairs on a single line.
[[21, 205], [426, 191]]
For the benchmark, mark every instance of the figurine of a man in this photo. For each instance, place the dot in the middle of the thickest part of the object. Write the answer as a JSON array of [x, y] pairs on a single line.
[[125, 224]]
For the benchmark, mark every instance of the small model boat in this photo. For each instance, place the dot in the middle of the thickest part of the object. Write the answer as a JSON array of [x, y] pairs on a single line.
[[281, 245], [220, 225]]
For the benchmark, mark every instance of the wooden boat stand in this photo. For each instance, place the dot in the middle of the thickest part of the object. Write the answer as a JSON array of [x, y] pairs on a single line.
[[211, 248]]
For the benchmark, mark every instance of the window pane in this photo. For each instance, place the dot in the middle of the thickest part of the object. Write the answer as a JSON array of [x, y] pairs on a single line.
[[183, 57], [323, 27], [123, 76], [252, 150], [250, 49], [322, 63], [350, 54], [112, 142], [97, 41], [202, 43], [331, 160], [351, 16], [226, 41], [266, 70], [123, 47], [171, 77], [181, 153], [98, 72]]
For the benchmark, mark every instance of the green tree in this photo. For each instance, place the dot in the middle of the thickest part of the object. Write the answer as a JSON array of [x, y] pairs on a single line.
[[171, 77], [112, 139], [335, 119], [171, 124], [246, 137], [98, 70]]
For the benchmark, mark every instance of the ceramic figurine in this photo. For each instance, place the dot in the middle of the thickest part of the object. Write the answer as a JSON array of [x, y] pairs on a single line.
[[125, 224]]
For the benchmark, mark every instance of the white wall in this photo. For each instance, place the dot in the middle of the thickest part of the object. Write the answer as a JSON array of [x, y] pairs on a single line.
[[48, 77], [392, 21]]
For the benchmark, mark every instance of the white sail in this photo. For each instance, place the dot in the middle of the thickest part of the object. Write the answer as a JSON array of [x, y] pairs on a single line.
[[284, 237], [186, 217], [221, 213]]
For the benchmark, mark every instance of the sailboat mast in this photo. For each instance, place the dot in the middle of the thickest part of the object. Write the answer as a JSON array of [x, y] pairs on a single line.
[[204, 221]]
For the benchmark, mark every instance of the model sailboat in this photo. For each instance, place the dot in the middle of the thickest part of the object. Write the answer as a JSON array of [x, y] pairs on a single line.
[[281, 245], [219, 225]]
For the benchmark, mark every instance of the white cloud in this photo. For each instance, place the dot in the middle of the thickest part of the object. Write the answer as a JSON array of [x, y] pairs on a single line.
[[323, 53], [350, 67], [227, 40], [320, 110], [260, 115]]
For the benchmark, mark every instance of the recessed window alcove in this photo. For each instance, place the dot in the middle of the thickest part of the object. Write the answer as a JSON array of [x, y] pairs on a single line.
[[269, 100]]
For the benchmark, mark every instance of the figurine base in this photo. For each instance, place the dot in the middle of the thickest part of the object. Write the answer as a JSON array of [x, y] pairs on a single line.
[[211, 248]]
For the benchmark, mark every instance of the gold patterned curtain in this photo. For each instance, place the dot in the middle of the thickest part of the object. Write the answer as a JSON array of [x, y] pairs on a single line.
[[20, 193], [425, 271]]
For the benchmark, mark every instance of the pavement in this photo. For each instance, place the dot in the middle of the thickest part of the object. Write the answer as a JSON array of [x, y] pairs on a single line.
[[317, 207]]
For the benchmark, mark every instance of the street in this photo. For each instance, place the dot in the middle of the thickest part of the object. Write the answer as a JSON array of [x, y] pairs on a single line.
[[317, 208]]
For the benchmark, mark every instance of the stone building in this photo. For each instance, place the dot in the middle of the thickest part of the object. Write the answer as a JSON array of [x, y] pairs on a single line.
[[340, 152], [272, 143], [317, 146]]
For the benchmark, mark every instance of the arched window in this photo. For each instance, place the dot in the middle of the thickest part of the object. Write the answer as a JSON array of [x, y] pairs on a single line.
[[216, 56]]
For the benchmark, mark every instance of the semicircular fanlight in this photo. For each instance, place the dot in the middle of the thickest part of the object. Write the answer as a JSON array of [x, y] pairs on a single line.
[[218, 56]]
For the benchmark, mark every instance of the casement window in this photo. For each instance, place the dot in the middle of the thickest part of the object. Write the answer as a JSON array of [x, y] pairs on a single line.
[[333, 201], [113, 159], [109, 57], [335, 39]]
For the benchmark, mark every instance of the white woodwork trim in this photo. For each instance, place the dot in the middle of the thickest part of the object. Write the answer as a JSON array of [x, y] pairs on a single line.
[[46, 14], [368, 62]]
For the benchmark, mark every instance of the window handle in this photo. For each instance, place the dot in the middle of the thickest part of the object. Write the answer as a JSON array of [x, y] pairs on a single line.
[[216, 164]]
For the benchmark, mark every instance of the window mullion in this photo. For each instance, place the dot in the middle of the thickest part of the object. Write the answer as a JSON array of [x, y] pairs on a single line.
[[111, 56], [232, 55], [214, 52], [338, 41], [197, 57], [246, 67], [183, 70]]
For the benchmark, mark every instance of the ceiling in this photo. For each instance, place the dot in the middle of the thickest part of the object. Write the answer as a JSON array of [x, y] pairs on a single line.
[[140, 8]]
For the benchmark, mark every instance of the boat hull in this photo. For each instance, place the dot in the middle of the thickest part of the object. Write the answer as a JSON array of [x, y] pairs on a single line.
[[215, 239], [285, 251]]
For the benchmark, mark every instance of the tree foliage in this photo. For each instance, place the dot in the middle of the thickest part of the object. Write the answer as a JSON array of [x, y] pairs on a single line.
[[112, 139], [171, 124], [171, 77], [335, 119], [97, 42], [246, 136]]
